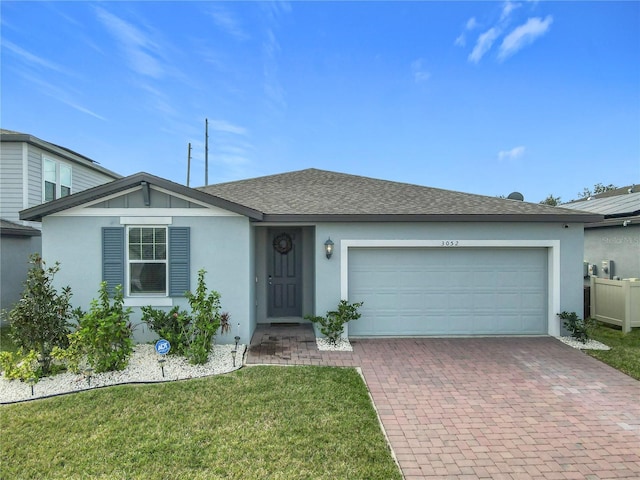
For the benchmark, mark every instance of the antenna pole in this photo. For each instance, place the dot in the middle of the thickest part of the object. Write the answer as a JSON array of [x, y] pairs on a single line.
[[188, 163], [206, 151]]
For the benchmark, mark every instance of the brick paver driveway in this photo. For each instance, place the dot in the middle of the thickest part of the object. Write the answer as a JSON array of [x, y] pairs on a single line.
[[491, 407]]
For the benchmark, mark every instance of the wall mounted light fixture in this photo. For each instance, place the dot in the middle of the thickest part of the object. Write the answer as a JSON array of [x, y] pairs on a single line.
[[328, 247]]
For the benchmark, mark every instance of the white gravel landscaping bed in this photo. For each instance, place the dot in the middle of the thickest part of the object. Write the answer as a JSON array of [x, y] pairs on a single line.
[[588, 345], [143, 367], [342, 345]]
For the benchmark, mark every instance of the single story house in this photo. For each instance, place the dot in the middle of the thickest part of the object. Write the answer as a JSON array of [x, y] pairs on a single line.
[[424, 261]]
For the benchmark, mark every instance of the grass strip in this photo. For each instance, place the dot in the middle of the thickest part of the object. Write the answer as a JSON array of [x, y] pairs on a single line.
[[625, 349]]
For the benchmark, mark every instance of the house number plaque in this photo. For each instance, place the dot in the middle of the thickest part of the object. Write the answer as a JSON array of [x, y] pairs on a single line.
[[450, 243]]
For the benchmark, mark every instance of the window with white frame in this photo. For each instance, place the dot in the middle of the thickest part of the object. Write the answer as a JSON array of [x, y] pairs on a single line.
[[56, 180], [65, 180], [147, 260]]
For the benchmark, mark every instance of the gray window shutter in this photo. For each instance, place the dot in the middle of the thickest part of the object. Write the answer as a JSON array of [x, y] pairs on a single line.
[[113, 257], [179, 258]]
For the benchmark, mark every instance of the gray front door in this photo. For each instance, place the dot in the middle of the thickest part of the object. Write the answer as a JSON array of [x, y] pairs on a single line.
[[285, 276]]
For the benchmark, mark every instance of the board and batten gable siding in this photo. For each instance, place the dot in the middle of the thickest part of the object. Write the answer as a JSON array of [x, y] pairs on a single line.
[[329, 282], [11, 180], [157, 199]]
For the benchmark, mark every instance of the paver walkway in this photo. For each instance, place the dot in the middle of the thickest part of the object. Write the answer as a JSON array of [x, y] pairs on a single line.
[[499, 408]]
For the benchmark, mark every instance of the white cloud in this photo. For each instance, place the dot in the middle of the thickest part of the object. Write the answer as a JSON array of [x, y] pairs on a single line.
[[524, 35], [484, 43], [273, 89], [507, 8], [225, 19], [30, 58], [226, 127], [472, 23], [461, 41], [512, 154], [63, 95], [140, 50], [419, 72]]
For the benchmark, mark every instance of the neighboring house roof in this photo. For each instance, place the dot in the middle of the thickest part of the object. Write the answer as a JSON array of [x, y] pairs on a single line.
[[321, 195], [616, 209], [317, 195], [624, 205], [610, 193], [16, 230], [12, 136]]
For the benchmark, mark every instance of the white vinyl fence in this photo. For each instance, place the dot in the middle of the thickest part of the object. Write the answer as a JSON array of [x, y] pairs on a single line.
[[616, 302]]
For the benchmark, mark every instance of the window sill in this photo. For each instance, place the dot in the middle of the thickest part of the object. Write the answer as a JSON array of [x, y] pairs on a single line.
[[151, 301]]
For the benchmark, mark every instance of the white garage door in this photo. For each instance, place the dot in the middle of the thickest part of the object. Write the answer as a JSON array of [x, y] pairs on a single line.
[[449, 291]]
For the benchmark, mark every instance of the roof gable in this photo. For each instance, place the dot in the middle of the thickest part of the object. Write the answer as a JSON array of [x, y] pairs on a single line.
[[97, 196]]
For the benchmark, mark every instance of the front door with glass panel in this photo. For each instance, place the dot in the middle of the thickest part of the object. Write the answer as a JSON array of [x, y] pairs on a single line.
[[284, 281]]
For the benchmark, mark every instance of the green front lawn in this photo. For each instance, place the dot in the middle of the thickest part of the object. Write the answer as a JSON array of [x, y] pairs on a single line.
[[625, 349], [257, 423]]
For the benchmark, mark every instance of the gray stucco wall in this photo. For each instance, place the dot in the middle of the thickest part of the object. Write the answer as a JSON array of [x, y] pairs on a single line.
[[620, 244], [327, 284], [14, 264], [220, 245]]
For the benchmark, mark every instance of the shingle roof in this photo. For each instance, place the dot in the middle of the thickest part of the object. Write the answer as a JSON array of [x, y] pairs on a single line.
[[324, 195], [15, 229], [320, 196], [625, 204]]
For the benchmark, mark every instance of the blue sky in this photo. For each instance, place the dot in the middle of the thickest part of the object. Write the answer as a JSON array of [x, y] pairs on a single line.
[[482, 97]]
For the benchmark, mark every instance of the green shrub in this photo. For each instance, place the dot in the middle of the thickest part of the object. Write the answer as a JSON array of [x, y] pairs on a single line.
[[173, 326], [18, 366], [577, 328], [190, 334], [74, 356], [40, 319], [205, 312], [332, 325], [104, 333]]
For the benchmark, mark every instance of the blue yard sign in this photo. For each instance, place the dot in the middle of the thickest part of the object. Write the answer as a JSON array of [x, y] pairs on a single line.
[[163, 346]]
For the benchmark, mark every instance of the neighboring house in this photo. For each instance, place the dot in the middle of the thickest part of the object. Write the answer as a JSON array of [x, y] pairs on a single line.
[[616, 239], [32, 172], [425, 261]]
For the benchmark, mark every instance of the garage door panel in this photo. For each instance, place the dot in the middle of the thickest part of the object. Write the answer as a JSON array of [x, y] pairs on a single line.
[[532, 301], [432, 291]]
